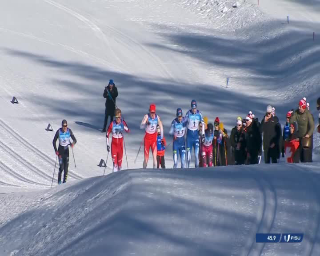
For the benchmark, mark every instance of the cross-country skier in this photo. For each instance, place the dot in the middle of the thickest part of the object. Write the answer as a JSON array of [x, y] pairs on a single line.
[[178, 130], [116, 127], [193, 119], [206, 148], [149, 123], [66, 139]]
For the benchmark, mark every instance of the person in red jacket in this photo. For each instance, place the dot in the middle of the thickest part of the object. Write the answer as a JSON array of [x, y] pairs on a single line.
[[161, 148], [291, 145], [116, 127], [149, 123]]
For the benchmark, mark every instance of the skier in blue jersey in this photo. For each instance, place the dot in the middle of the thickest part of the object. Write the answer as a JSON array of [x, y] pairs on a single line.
[[193, 119], [66, 139], [178, 130]]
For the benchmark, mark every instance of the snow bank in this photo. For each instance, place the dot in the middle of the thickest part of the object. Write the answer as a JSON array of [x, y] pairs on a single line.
[[175, 212]]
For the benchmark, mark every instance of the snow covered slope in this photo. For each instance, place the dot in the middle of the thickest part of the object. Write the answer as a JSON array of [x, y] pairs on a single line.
[[192, 212], [56, 58]]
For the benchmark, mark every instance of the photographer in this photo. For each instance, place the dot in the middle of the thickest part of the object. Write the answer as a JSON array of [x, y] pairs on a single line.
[[110, 93]]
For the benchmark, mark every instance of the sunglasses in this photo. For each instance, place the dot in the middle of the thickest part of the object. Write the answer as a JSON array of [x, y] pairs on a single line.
[[65, 125], [239, 125], [117, 117], [152, 112]]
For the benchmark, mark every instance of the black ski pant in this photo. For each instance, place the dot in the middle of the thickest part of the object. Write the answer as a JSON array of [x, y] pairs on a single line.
[[271, 153], [240, 157], [160, 161], [253, 158], [305, 154], [64, 164], [107, 114]]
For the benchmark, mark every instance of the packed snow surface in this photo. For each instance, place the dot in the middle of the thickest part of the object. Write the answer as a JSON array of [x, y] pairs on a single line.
[[56, 58]]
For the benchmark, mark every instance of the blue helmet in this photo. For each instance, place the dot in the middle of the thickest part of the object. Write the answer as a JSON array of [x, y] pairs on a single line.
[[179, 112], [193, 104]]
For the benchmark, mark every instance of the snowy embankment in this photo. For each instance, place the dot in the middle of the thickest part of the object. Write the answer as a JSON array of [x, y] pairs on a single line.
[[184, 212], [57, 56]]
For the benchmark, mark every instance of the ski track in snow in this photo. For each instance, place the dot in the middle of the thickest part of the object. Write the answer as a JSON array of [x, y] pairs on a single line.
[[315, 232], [8, 171], [14, 146], [266, 214], [112, 66], [101, 35], [33, 149]]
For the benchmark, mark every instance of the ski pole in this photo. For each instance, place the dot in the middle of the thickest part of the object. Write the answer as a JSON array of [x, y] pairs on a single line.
[[54, 170], [125, 150], [74, 160], [106, 164], [112, 99], [139, 150]]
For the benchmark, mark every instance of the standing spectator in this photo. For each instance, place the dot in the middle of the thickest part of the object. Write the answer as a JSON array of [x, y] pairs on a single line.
[[161, 148], [305, 130], [286, 131], [110, 93], [238, 143], [253, 140], [271, 130], [219, 144], [291, 144], [318, 108]]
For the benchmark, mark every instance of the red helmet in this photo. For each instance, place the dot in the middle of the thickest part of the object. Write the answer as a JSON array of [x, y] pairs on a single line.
[[152, 108], [289, 114]]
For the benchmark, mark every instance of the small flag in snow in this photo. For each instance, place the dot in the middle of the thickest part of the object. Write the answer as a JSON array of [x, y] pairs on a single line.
[[14, 100], [102, 163], [49, 128]]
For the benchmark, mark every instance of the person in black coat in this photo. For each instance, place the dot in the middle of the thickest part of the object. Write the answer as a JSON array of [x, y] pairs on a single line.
[[110, 93], [271, 129], [253, 140], [238, 143]]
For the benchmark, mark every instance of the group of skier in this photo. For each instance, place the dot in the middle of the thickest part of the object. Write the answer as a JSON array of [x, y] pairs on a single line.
[[211, 144]]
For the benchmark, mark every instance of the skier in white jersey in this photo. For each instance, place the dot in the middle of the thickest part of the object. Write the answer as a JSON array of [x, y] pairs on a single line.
[[149, 123], [193, 119]]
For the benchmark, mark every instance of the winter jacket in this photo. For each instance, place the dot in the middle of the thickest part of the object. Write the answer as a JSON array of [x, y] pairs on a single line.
[[305, 122], [219, 147], [285, 135], [238, 150], [110, 99], [271, 133], [238, 137], [161, 147], [253, 138]]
